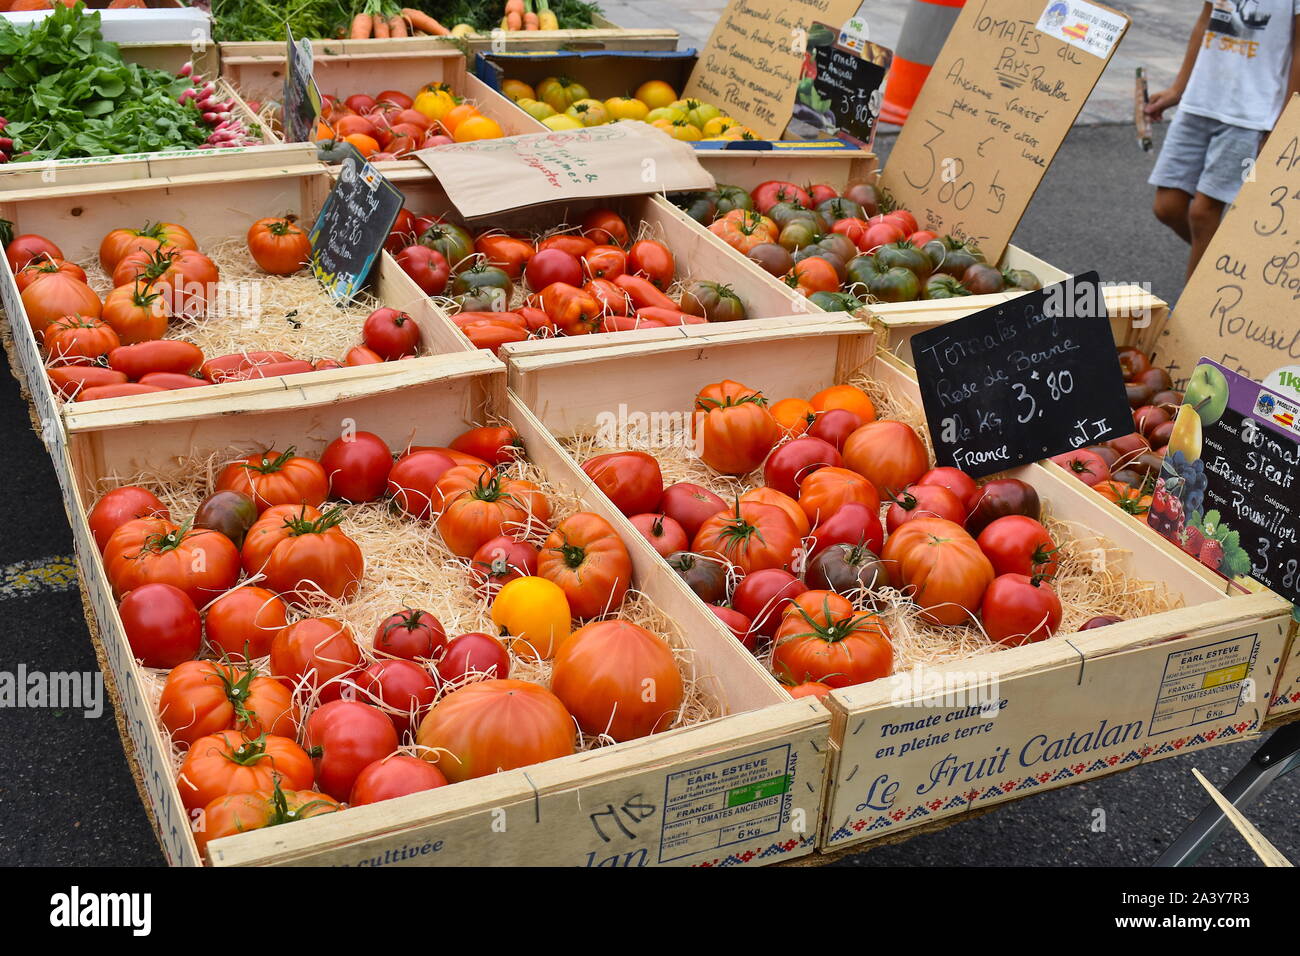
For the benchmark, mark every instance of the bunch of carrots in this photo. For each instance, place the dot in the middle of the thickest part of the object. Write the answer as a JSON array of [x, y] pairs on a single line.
[[522, 15], [383, 18]]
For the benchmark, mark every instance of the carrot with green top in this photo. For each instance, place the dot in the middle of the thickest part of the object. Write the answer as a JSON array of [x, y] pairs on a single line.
[[424, 23]]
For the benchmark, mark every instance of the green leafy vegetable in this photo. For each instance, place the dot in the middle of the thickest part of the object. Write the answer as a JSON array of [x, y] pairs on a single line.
[[67, 93]]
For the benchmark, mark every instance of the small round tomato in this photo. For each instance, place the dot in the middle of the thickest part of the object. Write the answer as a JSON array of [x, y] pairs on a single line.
[[690, 505], [394, 776], [499, 561], [955, 480], [605, 227], [229, 513], [357, 465], [549, 266], [835, 426], [162, 625], [915, 500], [763, 597], [1017, 544], [652, 260], [402, 689], [494, 444], [120, 506], [630, 479], [413, 479], [794, 461], [473, 656], [410, 635], [664, 534], [741, 627], [344, 737], [1087, 466], [391, 334], [427, 268], [242, 623], [852, 523], [706, 576], [1002, 496], [316, 651], [1018, 609]]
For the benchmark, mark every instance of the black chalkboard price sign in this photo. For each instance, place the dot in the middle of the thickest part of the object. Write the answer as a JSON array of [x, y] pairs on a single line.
[[1033, 377], [1229, 488], [350, 231]]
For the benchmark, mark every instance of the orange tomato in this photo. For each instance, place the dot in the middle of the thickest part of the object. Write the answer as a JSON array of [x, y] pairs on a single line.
[[847, 397], [366, 145], [476, 128], [457, 115], [794, 415]]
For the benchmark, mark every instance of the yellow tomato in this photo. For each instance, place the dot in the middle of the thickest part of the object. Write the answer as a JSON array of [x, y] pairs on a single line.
[[477, 127], [669, 113], [701, 113], [561, 121], [684, 131], [534, 613], [435, 104], [655, 93], [563, 94], [589, 112], [739, 132], [535, 108], [518, 90], [716, 126], [626, 107]]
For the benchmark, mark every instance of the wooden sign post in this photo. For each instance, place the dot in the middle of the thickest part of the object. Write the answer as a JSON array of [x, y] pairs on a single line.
[[751, 66], [1239, 308], [1002, 96]]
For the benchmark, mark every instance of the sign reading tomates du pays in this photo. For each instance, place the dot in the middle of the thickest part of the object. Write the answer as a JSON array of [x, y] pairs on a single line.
[[1239, 306], [751, 66], [1002, 96]]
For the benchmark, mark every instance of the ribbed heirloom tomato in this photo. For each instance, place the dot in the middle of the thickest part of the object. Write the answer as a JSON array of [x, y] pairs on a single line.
[[55, 295], [942, 568], [276, 479], [888, 453], [303, 554], [121, 242], [279, 245], [494, 725], [242, 812], [206, 697], [822, 639], [587, 559], [76, 339], [200, 562], [751, 536], [479, 505], [770, 496], [317, 651], [617, 680], [826, 490], [228, 762], [733, 428]]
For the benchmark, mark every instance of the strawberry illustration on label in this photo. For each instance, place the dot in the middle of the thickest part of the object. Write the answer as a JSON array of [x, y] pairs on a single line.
[[1211, 554]]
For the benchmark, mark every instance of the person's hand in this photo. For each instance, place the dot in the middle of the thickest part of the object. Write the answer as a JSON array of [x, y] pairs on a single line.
[[1160, 102]]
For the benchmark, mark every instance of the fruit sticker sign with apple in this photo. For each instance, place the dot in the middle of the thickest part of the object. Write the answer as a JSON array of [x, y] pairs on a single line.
[[1023, 381], [1228, 493], [302, 99], [352, 227]]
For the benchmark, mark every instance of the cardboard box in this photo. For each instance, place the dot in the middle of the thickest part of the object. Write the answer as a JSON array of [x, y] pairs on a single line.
[[909, 749], [760, 766]]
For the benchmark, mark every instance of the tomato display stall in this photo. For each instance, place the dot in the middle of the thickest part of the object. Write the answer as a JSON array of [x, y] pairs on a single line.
[[1113, 678]]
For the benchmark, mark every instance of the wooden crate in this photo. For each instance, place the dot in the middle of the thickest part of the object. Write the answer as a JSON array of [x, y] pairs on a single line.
[[1136, 316], [699, 253], [624, 805], [1145, 676], [214, 206], [344, 67]]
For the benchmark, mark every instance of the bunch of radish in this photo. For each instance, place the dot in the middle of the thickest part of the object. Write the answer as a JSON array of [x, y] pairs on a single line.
[[227, 128]]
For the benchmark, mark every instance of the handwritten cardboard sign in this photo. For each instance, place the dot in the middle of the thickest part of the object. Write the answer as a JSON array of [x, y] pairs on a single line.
[[1002, 96], [843, 85], [1239, 306], [752, 64], [350, 231], [1229, 494], [622, 159], [302, 100], [1022, 381]]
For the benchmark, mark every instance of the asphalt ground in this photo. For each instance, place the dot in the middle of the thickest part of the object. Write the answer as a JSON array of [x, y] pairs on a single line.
[[67, 797]]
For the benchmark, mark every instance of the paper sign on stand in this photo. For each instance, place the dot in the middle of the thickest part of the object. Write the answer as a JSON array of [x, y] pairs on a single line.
[[622, 159], [1003, 93], [1239, 306]]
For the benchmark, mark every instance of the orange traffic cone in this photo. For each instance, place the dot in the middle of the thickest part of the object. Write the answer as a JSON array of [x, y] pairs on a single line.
[[925, 30]]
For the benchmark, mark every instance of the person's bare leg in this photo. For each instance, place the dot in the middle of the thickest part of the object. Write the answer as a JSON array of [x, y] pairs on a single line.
[[1171, 207], [1204, 213]]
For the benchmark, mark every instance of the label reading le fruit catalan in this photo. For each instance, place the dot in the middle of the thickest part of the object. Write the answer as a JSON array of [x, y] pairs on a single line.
[[1002, 95], [1227, 493], [350, 231], [1033, 377]]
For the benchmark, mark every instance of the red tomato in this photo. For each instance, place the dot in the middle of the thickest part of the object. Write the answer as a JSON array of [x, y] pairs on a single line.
[[161, 624], [500, 561], [474, 656], [1087, 466], [741, 627], [243, 622], [630, 479], [413, 479], [606, 227], [402, 689], [357, 466], [21, 250], [1017, 544], [316, 651], [394, 776], [605, 262], [768, 194], [549, 266], [276, 479], [120, 506], [344, 737], [787, 467], [690, 505], [391, 334], [410, 635], [835, 426], [1018, 609], [881, 233], [851, 523], [577, 246], [664, 534], [762, 596], [654, 261], [160, 355], [933, 501], [427, 268], [955, 480], [494, 444], [361, 355]]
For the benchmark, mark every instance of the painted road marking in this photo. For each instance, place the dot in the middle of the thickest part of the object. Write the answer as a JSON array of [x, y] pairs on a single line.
[[42, 575]]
